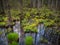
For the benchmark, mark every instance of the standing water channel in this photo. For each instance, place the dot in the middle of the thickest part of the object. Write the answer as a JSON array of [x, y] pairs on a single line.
[[36, 37], [16, 28], [3, 39]]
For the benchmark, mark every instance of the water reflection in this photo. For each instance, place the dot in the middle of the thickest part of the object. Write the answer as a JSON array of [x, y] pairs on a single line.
[[40, 33], [3, 39], [36, 36], [16, 27]]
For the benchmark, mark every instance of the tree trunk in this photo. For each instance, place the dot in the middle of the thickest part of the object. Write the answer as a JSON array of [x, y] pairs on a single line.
[[3, 12], [9, 16], [2, 7], [56, 4], [21, 39], [38, 4], [52, 4], [49, 3], [42, 3], [34, 2]]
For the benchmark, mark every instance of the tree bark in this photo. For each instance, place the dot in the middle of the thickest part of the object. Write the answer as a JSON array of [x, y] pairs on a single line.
[[38, 4], [56, 4], [2, 7], [52, 4], [21, 38], [42, 3], [49, 3], [9, 16], [34, 3]]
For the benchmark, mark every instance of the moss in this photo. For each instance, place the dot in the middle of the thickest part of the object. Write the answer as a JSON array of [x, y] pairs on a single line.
[[43, 40], [1, 32], [13, 43], [28, 40], [3, 23], [12, 36]]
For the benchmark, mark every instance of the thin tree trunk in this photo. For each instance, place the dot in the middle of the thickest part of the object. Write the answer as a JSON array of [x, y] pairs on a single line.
[[42, 3], [3, 11], [2, 7], [34, 2], [57, 39], [38, 4], [52, 4], [21, 39], [9, 16], [56, 4], [49, 3], [31, 3]]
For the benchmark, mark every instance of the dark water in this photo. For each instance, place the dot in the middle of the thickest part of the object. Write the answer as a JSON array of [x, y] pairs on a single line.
[[16, 28], [3, 39], [36, 37]]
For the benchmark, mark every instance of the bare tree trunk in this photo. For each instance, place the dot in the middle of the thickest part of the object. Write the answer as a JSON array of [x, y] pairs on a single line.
[[42, 3], [21, 39], [3, 12], [49, 3], [34, 2], [38, 4], [2, 7], [56, 4], [52, 4], [57, 39], [9, 16]]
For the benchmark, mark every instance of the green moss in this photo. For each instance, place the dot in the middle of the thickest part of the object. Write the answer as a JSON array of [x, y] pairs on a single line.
[[43, 40], [13, 43], [30, 27], [3, 23], [1, 32], [15, 14], [12, 36], [57, 32], [28, 40]]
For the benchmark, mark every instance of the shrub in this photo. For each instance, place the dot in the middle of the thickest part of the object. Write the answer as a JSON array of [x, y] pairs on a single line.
[[1, 32], [43, 40], [28, 40], [13, 43], [12, 36]]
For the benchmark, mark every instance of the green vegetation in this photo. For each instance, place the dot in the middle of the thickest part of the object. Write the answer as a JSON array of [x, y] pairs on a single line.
[[43, 40], [12, 37], [28, 40], [13, 43], [1, 33]]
